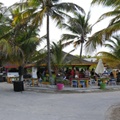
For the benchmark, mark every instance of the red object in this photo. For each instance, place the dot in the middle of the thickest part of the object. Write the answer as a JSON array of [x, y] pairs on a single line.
[[60, 86]]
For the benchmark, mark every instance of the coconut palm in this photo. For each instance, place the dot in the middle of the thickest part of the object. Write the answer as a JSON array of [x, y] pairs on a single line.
[[58, 56], [21, 48], [35, 11], [5, 27], [79, 27], [113, 57], [4, 20], [19, 43], [99, 37]]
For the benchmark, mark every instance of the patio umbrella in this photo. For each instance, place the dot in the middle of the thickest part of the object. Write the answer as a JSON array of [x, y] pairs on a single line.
[[100, 67]]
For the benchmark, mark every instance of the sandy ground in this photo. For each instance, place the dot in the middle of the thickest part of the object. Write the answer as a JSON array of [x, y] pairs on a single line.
[[114, 112]]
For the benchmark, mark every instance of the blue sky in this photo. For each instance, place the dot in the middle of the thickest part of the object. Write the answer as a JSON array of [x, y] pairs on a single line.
[[55, 33]]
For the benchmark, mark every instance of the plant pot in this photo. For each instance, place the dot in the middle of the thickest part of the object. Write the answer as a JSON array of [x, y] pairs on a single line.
[[60, 86], [18, 86], [102, 85]]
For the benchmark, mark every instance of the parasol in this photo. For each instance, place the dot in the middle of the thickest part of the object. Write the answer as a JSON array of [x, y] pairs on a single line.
[[100, 67]]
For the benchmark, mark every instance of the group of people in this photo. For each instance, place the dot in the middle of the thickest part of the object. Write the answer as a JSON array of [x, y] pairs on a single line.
[[69, 73], [76, 73]]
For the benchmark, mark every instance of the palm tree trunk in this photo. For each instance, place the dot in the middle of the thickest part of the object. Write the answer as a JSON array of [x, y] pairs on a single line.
[[81, 51], [81, 48], [21, 71], [48, 48]]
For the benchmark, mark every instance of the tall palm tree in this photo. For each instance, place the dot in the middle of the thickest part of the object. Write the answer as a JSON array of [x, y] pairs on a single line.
[[35, 11], [79, 27], [114, 24], [113, 57]]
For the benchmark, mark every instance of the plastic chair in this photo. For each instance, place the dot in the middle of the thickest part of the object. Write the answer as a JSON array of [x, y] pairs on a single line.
[[82, 82], [112, 82], [92, 82], [74, 83]]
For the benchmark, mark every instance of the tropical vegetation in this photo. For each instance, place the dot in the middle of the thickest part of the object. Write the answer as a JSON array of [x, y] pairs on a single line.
[[101, 36], [20, 27], [78, 27], [112, 58], [34, 12], [58, 56]]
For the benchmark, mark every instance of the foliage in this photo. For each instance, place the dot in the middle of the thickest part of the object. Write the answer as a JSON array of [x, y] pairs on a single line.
[[34, 12], [65, 82], [101, 36], [112, 58], [107, 2], [58, 56], [79, 27]]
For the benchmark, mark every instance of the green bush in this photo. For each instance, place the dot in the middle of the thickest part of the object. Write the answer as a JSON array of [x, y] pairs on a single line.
[[65, 82]]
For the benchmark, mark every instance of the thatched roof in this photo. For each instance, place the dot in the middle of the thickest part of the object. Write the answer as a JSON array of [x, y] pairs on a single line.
[[74, 60], [70, 60]]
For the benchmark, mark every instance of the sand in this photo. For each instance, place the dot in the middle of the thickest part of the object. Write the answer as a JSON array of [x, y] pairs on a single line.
[[114, 113]]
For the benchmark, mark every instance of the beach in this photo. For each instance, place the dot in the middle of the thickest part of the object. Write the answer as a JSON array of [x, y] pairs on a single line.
[[115, 112]]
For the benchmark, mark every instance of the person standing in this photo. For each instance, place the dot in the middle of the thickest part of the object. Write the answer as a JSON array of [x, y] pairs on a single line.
[[118, 78], [87, 73], [77, 73]]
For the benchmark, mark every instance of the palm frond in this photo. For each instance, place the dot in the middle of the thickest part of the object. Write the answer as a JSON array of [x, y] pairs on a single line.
[[69, 7], [68, 37], [106, 2]]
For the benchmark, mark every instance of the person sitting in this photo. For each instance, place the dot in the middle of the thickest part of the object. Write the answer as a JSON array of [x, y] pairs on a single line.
[[112, 79], [87, 73], [39, 76], [92, 72], [81, 74], [77, 73], [72, 72]]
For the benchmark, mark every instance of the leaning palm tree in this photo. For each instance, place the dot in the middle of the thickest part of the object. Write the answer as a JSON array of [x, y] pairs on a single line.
[[99, 37], [35, 11], [79, 27], [113, 57]]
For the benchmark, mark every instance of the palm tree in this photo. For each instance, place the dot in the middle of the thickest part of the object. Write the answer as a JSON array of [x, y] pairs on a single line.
[[79, 27], [113, 57], [35, 11], [99, 37], [5, 27], [58, 56], [4, 20], [19, 42]]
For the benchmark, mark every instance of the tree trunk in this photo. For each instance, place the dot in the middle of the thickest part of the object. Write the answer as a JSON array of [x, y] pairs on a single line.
[[81, 48], [21, 71], [48, 48]]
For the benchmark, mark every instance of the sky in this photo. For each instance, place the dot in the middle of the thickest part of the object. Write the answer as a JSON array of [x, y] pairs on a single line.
[[55, 33]]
